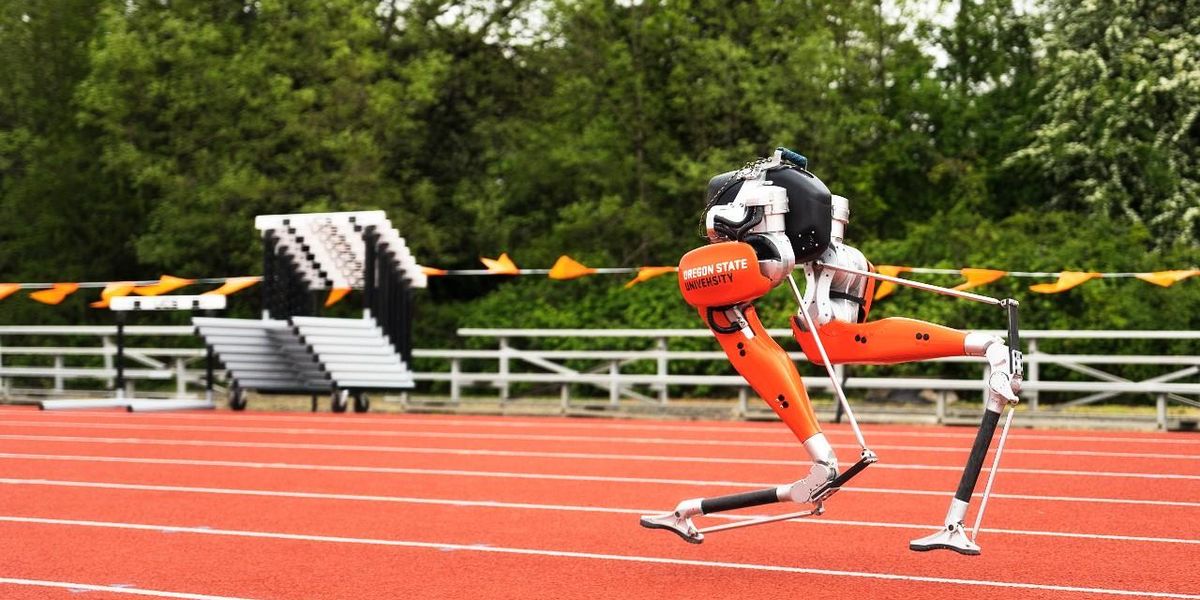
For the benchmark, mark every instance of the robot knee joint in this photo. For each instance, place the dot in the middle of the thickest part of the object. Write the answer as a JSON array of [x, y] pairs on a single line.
[[977, 344]]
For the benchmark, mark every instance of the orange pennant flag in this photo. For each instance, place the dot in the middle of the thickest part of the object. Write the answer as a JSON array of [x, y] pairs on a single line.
[[112, 290], [978, 277], [432, 272], [165, 285], [885, 288], [568, 268], [1163, 278], [648, 273], [1066, 281], [501, 266], [8, 289], [335, 296], [233, 285], [56, 294]]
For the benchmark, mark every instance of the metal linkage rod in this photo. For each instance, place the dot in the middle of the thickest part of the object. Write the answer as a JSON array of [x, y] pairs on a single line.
[[987, 490], [760, 521], [833, 378], [937, 289]]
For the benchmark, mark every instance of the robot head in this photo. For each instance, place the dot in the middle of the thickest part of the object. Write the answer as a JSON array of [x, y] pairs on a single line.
[[808, 222]]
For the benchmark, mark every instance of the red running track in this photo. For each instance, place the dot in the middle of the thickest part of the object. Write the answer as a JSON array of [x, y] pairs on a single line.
[[250, 505]]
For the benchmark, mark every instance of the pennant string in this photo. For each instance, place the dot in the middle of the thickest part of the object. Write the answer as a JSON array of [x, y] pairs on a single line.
[[567, 268]]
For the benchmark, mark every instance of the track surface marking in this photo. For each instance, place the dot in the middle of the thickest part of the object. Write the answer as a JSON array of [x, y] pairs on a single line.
[[112, 589], [224, 505]]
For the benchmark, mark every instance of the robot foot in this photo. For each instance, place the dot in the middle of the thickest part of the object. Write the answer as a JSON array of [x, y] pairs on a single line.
[[678, 521], [951, 537]]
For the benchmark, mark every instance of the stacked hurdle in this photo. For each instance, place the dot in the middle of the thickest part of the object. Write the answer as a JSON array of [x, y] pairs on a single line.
[[306, 256]]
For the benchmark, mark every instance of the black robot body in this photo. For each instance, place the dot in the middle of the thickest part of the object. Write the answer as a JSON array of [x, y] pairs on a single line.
[[809, 218]]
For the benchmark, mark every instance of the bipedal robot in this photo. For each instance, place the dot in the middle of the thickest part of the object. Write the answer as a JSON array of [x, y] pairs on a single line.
[[763, 221]]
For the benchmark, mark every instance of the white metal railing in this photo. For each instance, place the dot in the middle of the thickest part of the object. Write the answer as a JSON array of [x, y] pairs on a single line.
[[1105, 384], [508, 364], [156, 364]]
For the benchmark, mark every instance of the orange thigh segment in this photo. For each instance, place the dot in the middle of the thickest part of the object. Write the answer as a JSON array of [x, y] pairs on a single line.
[[882, 342], [767, 368]]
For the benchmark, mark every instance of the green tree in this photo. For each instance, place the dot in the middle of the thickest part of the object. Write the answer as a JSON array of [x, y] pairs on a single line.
[[987, 82], [647, 100], [218, 112], [1119, 132], [481, 66], [62, 216]]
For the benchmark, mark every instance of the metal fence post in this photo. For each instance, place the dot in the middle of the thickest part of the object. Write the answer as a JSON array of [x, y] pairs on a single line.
[[455, 382], [663, 370], [564, 397], [614, 392], [180, 378], [109, 348], [1033, 374], [743, 400], [1160, 402], [504, 369], [58, 376], [941, 407]]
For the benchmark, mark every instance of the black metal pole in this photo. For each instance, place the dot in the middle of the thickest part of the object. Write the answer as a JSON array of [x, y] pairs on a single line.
[[400, 325], [384, 318], [395, 307], [268, 280], [209, 358], [408, 320], [369, 267], [120, 360], [208, 372]]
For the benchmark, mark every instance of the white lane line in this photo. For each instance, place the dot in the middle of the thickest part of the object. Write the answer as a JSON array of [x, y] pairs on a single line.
[[549, 507], [558, 438], [113, 589], [594, 424], [559, 477], [569, 455], [442, 546]]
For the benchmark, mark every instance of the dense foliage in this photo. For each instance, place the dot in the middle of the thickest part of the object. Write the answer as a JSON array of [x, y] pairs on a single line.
[[141, 136]]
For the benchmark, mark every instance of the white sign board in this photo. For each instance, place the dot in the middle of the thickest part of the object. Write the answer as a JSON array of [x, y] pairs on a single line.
[[198, 302]]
